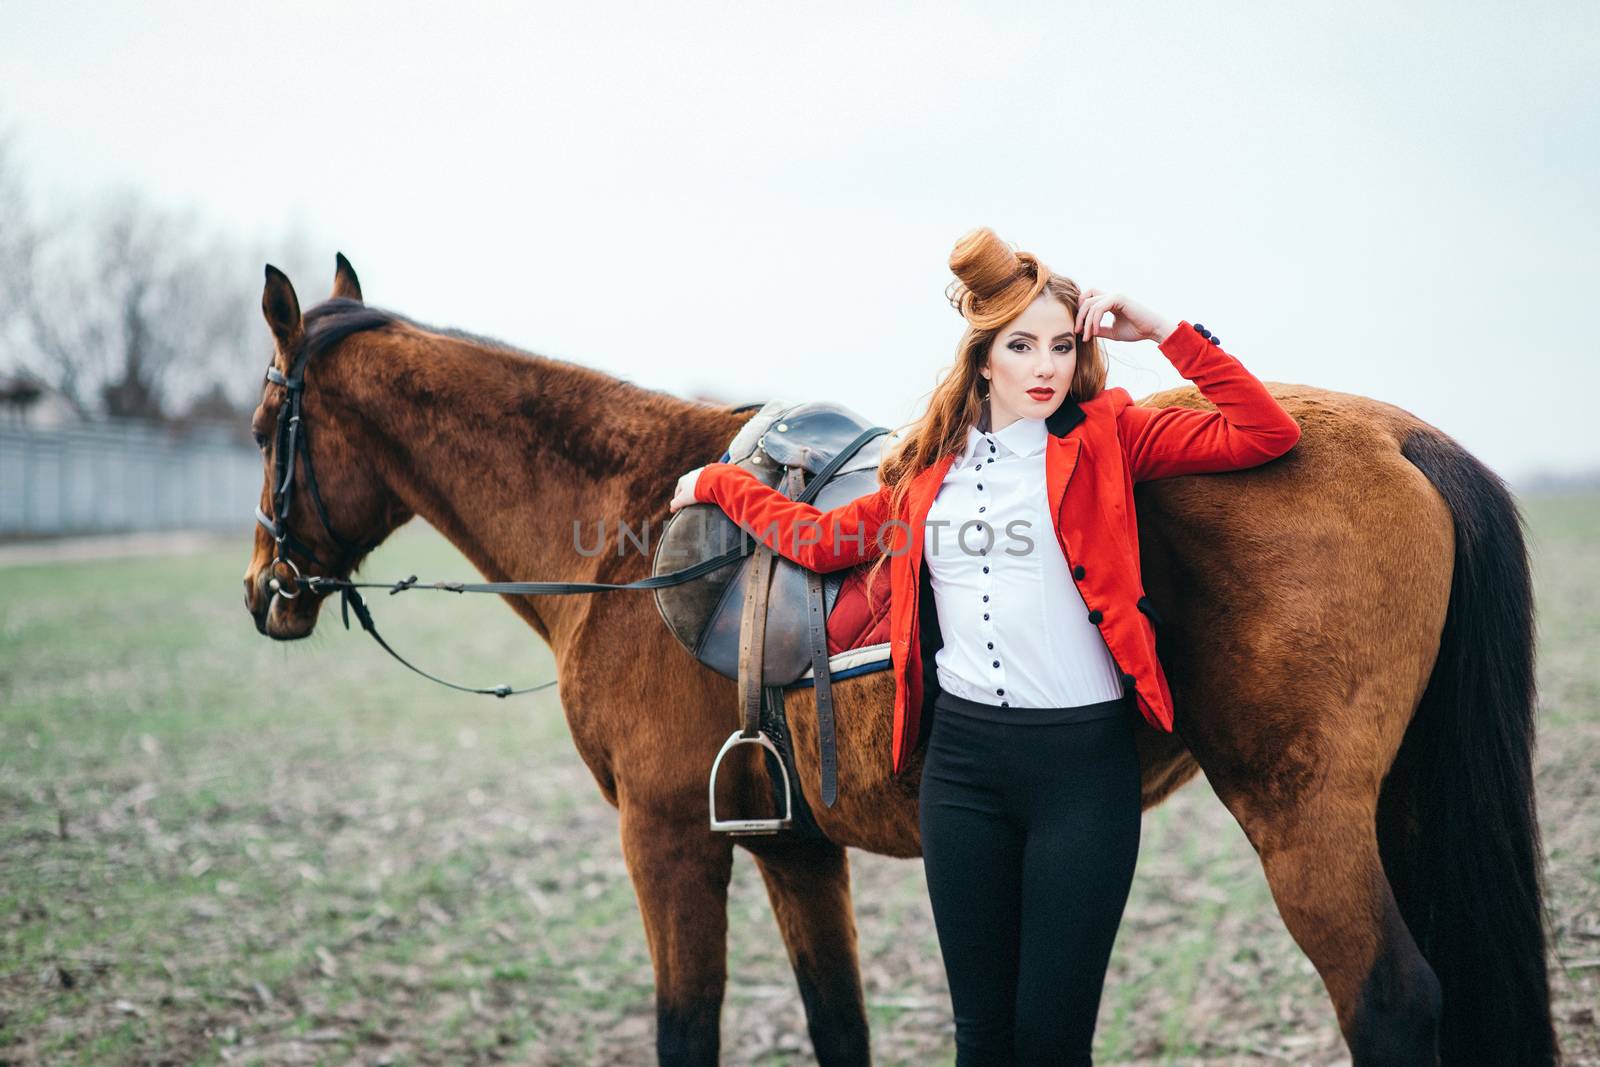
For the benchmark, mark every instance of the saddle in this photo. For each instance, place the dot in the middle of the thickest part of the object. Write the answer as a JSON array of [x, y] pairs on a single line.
[[762, 619]]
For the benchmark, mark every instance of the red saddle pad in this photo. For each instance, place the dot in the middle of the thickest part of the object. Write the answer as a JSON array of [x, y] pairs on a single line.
[[857, 620]]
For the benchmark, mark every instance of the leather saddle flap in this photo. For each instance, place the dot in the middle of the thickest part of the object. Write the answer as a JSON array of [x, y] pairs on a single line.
[[704, 614]]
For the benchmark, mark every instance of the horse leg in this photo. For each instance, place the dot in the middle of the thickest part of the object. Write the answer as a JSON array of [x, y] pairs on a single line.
[[1424, 824], [808, 882], [1322, 863], [680, 872]]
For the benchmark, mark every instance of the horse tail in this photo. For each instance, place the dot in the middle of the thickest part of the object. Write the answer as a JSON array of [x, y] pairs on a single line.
[[1457, 826]]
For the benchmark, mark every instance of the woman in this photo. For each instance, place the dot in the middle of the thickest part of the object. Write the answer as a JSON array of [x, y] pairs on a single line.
[[1016, 488]]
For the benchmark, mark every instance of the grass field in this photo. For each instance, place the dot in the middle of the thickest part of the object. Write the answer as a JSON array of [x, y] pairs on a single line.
[[216, 848]]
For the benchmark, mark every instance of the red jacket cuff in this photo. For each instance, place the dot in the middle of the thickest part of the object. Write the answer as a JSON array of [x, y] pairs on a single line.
[[705, 486], [1187, 347]]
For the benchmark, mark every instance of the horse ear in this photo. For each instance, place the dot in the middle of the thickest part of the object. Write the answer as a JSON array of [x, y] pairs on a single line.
[[344, 279], [281, 307]]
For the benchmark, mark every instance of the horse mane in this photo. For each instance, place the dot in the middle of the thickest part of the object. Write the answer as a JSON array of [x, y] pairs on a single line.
[[335, 319]]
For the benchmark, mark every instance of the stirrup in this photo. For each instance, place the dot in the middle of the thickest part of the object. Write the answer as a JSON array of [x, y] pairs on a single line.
[[736, 827]]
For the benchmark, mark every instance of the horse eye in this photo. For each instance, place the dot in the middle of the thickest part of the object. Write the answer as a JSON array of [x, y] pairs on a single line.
[[261, 439]]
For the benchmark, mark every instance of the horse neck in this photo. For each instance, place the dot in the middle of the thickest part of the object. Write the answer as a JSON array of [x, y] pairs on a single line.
[[503, 451]]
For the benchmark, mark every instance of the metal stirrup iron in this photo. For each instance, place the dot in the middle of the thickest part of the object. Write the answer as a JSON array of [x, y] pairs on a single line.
[[752, 645]]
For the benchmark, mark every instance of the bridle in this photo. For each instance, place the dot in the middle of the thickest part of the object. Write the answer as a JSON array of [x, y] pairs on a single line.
[[291, 438]]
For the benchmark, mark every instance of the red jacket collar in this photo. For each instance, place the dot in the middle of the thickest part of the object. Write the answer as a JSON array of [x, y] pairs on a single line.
[[1061, 421]]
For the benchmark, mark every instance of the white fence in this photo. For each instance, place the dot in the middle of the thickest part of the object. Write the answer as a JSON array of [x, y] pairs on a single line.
[[103, 477]]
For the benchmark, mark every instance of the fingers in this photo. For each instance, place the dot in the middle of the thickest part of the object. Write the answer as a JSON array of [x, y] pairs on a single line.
[[1089, 314], [684, 494], [1092, 308]]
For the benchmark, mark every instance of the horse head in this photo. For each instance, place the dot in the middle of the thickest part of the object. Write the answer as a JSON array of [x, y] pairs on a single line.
[[324, 505]]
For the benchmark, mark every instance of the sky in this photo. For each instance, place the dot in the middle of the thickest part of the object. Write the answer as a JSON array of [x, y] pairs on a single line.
[[753, 201]]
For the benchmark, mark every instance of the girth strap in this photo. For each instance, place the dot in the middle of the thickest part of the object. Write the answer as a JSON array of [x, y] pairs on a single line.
[[753, 636], [752, 646], [817, 624]]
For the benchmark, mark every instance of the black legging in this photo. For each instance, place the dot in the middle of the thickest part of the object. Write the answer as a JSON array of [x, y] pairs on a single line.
[[1030, 831]]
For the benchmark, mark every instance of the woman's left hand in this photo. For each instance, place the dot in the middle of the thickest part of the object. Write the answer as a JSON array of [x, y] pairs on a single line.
[[683, 495], [1131, 320]]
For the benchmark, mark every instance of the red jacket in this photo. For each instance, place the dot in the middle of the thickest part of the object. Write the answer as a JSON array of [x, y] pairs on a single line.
[[1096, 451]]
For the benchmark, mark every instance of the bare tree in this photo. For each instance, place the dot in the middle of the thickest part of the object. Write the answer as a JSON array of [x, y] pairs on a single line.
[[115, 302], [136, 310], [17, 243], [130, 309]]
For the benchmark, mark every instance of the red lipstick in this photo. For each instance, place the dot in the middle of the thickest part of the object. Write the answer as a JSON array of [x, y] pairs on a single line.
[[1041, 393]]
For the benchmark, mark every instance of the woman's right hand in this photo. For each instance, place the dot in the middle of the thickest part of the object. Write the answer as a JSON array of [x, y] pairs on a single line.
[[683, 496]]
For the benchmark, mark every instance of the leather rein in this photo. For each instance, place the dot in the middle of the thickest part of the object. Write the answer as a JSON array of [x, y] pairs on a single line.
[[291, 438]]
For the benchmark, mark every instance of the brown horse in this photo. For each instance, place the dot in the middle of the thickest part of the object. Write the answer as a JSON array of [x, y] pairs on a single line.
[[1348, 634]]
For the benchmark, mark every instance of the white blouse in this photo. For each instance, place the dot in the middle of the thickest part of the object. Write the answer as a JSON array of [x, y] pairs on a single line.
[[1016, 630]]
